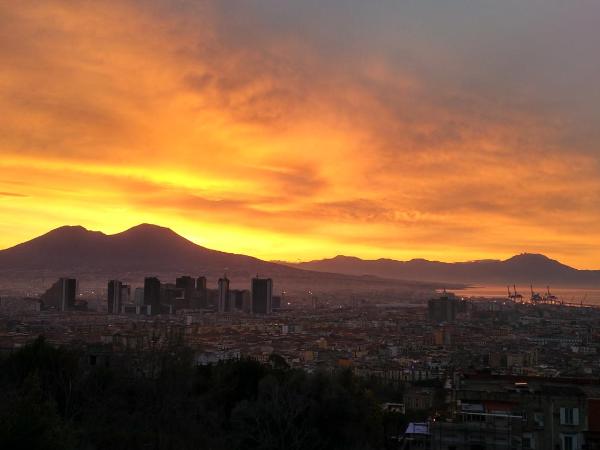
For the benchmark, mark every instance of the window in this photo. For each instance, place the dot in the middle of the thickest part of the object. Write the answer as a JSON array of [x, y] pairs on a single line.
[[569, 442], [528, 441], [569, 416]]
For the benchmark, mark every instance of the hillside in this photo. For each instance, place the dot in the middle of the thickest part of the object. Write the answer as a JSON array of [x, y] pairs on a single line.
[[525, 268]]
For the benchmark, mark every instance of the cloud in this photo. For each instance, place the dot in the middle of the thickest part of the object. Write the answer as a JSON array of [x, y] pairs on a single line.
[[313, 128], [11, 194]]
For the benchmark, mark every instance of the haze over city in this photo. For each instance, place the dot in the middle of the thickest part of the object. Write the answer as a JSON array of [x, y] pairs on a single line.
[[294, 131]]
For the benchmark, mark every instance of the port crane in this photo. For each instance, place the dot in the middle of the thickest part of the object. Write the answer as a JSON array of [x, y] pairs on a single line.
[[515, 297]]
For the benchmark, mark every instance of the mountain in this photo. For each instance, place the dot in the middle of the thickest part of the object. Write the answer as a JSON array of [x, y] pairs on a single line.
[[146, 250], [143, 247], [522, 269], [153, 250]]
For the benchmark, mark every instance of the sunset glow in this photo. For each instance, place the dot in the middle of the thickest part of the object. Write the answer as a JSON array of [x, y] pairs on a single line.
[[261, 128]]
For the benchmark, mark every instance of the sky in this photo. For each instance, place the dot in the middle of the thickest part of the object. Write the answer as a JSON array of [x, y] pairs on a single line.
[[295, 130]]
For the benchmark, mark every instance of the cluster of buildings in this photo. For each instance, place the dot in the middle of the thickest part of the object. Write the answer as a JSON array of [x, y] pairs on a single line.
[[473, 374], [155, 297], [486, 412]]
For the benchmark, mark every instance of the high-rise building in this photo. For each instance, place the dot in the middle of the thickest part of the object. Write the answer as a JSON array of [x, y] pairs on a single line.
[[138, 296], [125, 294], [443, 309], [262, 295], [200, 298], [201, 284], [173, 297], [118, 295], [152, 294], [61, 295], [69, 293], [240, 300], [223, 304], [188, 285]]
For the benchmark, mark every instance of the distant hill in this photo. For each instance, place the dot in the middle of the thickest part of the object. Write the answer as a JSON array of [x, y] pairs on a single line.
[[143, 247], [521, 269], [146, 250]]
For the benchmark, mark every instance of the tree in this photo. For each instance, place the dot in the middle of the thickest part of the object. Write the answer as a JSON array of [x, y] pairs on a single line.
[[29, 420]]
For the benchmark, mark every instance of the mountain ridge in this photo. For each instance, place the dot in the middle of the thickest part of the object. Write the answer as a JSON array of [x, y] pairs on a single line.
[[527, 268], [154, 249], [129, 248], [147, 249]]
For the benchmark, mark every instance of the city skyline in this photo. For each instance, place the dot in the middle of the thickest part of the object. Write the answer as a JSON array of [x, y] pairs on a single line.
[[403, 130]]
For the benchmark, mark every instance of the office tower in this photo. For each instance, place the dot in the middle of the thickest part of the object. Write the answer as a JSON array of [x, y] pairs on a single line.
[[174, 297], [61, 295], [125, 294], [231, 300], [138, 296], [188, 285], [262, 294], [442, 309], [200, 297], [152, 294], [69, 293], [115, 296], [201, 284], [237, 299], [246, 301], [223, 303]]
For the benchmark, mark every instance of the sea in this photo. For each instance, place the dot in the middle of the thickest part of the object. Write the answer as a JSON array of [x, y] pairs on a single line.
[[566, 294]]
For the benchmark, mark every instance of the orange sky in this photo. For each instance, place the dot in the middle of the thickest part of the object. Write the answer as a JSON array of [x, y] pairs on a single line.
[[300, 130]]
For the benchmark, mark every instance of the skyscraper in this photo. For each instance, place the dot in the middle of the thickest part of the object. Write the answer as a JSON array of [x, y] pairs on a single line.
[[138, 296], [115, 296], [172, 297], [262, 295], [152, 294], [443, 309], [201, 284], [223, 304], [241, 300], [188, 285], [200, 298], [61, 295]]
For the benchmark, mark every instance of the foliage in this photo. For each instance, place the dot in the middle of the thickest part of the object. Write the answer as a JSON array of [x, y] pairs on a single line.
[[52, 399]]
